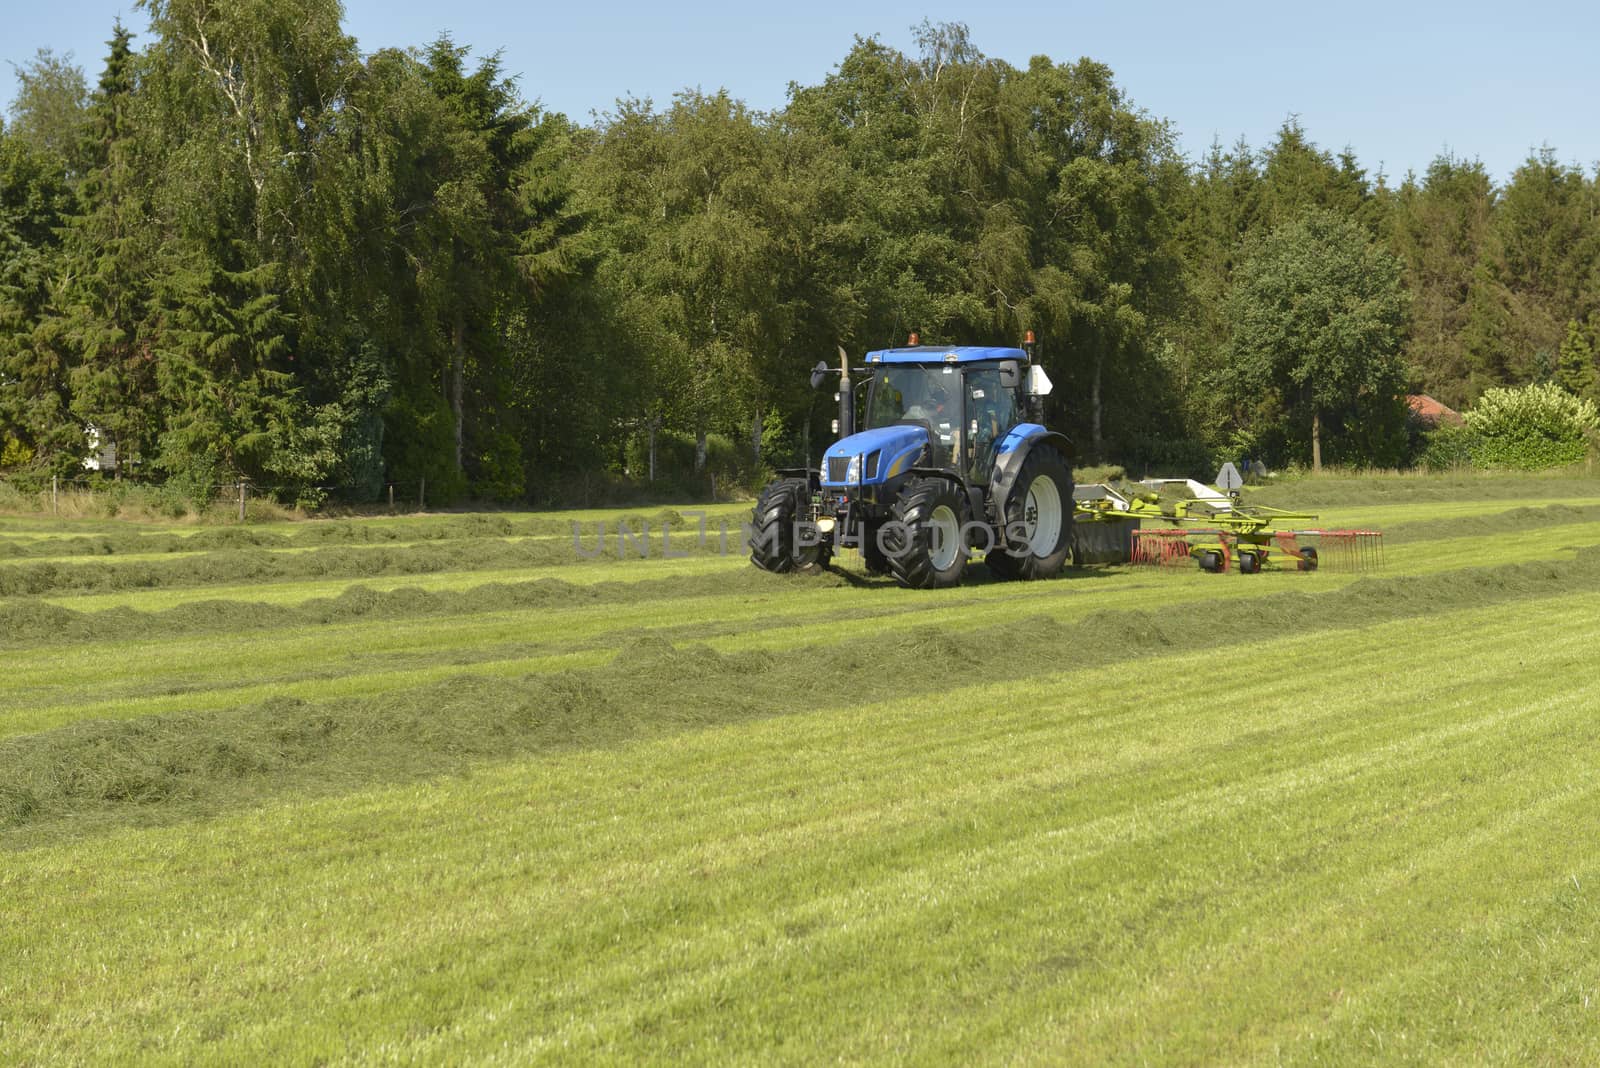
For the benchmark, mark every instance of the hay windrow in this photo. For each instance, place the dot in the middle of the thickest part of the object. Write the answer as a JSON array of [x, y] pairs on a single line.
[[254, 564], [105, 774], [1356, 491], [26, 622], [323, 533], [1511, 521]]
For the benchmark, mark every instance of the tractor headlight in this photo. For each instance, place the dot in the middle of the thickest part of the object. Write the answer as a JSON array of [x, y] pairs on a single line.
[[852, 474]]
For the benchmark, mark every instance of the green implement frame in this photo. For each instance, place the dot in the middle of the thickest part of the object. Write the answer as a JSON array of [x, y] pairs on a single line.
[[1232, 536]]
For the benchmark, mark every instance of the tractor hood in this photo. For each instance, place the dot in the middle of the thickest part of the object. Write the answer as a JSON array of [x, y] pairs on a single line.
[[872, 457]]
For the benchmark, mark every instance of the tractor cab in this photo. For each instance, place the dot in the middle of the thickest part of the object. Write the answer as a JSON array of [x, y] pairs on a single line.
[[934, 407], [963, 409]]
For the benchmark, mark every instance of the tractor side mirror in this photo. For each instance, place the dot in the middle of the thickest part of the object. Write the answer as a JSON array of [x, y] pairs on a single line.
[[818, 373], [1010, 374]]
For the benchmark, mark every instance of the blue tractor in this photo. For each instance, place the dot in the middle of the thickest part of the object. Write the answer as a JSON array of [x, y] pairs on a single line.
[[952, 461]]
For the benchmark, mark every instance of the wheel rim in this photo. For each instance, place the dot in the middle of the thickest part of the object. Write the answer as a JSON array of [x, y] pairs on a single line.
[[1041, 516], [945, 530]]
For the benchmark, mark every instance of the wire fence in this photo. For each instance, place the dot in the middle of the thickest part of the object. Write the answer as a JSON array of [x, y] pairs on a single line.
[[55, 496], [241, 498]]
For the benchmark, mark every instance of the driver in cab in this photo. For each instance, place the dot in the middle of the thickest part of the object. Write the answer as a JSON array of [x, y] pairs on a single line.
[[930, 402]]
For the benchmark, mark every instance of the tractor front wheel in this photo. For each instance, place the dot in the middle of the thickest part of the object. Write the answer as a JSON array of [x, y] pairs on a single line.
[[1039, 509], [777, 538], [924, 540]]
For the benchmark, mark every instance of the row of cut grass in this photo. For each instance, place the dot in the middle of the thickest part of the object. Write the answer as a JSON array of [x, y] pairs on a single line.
[[1321, 861], [1420, 555], [512, 700], [51, 685]]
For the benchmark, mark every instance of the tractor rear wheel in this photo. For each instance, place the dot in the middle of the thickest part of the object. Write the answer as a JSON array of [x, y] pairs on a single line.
[[775, 542], [924, 540], [1040, 508], [1210, 560], [1249, 563], [1308, 559]]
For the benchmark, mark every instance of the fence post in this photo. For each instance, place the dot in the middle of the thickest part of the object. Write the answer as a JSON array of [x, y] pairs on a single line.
[[391, 496], [654, 423], [241, 500], [55, 507], [422, 494]]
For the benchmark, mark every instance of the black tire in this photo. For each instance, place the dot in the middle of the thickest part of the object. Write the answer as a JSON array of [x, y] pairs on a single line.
[[1037, 561], [772, 530], [1210, 561], [876, 559], [1308, 559], [910, 536], [1249, 564]]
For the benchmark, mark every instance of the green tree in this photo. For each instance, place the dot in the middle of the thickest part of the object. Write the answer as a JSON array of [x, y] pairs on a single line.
[[475, 219], [221, 359], [1539, 268], [256, 192], [1318, 316], [1441, 230], [695, 258], [1298, 177], [1218, 208], [35, 391], [1104, 270], [1577, 373], [104, 299], [48, 110], [908, 149]]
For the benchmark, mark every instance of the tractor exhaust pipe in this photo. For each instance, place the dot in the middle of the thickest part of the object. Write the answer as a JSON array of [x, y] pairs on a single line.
[[847, 399]]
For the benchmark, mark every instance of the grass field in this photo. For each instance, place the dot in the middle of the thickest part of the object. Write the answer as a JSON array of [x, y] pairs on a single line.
[[443, 789]]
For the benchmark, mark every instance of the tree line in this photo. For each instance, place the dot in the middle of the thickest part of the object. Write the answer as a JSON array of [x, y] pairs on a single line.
[[250, 250]]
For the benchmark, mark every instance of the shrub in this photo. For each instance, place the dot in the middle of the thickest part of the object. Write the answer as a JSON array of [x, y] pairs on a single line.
[[500, 472], [1446, 448], [1531, 428], [13, 453]]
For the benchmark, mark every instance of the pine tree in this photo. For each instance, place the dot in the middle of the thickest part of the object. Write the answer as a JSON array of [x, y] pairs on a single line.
[[1441, 229], [104, 302], [1576, 372], [35, 395], [223, 373]]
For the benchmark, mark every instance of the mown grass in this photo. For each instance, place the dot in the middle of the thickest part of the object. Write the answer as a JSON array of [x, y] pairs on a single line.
[[652, 810], [95, 770], [1005, 872]]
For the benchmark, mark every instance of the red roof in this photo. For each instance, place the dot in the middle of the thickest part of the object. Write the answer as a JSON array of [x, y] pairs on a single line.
[[1430, 412]]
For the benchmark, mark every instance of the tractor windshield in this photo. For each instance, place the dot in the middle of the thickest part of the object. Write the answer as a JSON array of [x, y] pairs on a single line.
[[924, 394]]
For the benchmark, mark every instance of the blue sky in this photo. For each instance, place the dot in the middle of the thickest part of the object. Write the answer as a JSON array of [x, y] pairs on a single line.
[[1399, 83]]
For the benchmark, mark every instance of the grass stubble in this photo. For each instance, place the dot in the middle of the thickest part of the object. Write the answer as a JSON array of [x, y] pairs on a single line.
[[1316, 822]]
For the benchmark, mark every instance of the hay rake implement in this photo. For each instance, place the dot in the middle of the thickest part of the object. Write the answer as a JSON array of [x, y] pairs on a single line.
[[1218, 534]]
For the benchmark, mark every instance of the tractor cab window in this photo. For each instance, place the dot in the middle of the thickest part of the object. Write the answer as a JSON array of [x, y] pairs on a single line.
[[930, 395], [991, 411]]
